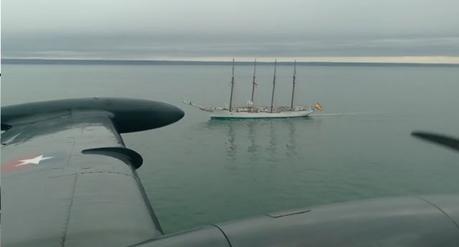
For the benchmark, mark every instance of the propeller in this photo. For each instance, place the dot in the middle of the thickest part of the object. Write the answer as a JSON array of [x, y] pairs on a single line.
[[447, 141]]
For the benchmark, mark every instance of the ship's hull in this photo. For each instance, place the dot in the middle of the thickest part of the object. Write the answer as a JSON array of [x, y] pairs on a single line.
[[251, 115]]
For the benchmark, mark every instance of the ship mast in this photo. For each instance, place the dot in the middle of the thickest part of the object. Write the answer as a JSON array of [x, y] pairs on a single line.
[[293, 86], [232, 89], [274, 85], [253, 79]]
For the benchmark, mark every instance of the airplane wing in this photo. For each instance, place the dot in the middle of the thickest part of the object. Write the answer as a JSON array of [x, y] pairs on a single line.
[[67, 177]]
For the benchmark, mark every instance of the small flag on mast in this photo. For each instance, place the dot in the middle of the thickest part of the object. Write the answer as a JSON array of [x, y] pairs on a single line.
[[317, 107]]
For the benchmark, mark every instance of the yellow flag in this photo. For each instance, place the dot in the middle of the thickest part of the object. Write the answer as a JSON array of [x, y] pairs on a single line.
[[318, 107]]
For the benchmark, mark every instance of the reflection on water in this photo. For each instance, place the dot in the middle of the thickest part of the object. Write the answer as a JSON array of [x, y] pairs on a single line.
[[231, 145], [252, 132], [272, 148], [291, 144], [260, 137]]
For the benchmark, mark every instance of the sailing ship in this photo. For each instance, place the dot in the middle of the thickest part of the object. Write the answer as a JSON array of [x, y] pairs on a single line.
[[253, 111]]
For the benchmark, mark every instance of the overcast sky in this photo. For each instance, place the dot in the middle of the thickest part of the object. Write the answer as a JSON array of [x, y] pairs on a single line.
[[150, 29]]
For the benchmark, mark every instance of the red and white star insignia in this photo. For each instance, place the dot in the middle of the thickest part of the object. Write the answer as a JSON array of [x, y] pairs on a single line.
[[18, 164], [33, 161]]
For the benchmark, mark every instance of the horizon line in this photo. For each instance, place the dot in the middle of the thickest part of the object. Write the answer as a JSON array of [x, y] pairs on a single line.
[[415, 60]]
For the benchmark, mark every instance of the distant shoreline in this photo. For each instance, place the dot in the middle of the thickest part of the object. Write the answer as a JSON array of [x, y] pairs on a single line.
[[38, 61]]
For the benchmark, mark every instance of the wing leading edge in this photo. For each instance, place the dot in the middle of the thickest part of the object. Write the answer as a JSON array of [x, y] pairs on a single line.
[[67, 177]]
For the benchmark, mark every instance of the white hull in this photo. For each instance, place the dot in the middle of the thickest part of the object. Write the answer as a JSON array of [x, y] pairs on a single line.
[[250, 115]]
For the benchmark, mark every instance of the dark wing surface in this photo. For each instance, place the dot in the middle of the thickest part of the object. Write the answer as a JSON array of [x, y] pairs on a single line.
[[67, 177]]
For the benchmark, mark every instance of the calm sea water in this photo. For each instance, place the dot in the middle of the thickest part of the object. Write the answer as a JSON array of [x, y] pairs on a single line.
[[199, 171]]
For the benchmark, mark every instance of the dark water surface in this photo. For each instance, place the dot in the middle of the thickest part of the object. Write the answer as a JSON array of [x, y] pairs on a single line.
[[199, 171]]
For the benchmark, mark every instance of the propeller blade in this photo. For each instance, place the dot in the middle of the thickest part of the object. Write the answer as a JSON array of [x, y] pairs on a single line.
[[443, 140]]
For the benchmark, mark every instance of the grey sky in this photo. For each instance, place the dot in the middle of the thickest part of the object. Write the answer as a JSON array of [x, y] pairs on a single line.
[[148, 29]]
